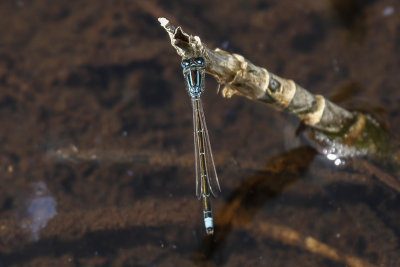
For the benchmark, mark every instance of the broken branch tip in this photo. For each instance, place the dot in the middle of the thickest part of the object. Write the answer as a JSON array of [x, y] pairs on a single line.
[[163, 21]]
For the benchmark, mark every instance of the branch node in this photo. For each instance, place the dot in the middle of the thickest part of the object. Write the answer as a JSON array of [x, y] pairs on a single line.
[[314, 116]]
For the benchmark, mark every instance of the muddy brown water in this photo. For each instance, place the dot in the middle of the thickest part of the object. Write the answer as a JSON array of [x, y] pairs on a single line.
[[96, 156]]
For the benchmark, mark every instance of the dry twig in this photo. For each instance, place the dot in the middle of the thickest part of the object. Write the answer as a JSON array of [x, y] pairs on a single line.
[[359, 133]]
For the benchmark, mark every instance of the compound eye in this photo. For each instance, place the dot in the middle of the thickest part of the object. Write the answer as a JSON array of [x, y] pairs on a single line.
[[185, 63], [199, 61]]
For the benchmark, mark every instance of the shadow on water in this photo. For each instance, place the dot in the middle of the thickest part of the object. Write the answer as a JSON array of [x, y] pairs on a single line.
[[279, 174]]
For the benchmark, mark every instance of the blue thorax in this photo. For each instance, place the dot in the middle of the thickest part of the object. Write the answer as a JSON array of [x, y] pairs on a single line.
[[193, 71]]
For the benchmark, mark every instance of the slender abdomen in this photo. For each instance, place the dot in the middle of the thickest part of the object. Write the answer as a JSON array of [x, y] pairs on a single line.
[[205, 188]]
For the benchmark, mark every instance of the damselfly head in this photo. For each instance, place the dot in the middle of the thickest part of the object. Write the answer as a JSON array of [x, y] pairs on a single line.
[[193, 71], [194, 62]]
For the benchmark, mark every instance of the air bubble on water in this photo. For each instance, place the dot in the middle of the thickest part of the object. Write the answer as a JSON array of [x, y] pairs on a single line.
[[336, 152]]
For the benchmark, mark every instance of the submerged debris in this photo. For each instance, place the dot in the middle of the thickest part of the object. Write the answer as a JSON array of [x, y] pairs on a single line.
[[37, 210]]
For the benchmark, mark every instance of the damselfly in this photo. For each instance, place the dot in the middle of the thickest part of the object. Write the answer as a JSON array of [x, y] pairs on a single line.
[[206, 176]]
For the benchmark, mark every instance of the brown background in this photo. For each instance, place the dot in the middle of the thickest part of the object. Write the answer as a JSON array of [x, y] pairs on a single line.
[[93, 105]]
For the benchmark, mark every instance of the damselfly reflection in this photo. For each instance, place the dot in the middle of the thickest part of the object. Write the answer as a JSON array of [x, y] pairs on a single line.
[[206, 175]]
